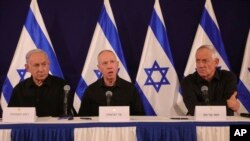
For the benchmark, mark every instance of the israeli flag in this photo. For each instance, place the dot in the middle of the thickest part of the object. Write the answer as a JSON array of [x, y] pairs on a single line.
[[208, 33], [105, 37], [157, 80], [34, 35], [244, 82]]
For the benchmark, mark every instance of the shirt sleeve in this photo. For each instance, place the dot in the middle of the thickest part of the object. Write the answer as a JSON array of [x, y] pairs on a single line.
[[14, 100], [136, 108], [230, 84], [85, 105]]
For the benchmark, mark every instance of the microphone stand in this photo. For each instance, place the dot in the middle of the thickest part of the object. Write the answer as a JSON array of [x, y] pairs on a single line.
[[66, 114]]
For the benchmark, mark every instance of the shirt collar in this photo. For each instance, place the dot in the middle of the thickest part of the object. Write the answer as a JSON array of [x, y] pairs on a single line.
[[46, 82], [117, 82], [215, 77]]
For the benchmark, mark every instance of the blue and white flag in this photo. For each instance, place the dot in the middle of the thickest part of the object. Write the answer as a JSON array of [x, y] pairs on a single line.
[[105, 37], [244, 82], [157, 80], [34, 35], [208, 33]]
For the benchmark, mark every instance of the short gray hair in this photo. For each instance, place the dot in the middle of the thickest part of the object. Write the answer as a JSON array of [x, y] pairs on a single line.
[[35, 51], [211, 48], [105, 50]]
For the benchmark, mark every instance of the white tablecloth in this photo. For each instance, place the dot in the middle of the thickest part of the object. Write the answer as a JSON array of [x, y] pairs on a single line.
[[123, 133]]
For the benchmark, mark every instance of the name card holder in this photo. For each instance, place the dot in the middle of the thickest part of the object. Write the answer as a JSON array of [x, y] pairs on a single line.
[[19, 114], [113, 113], [210, 113]]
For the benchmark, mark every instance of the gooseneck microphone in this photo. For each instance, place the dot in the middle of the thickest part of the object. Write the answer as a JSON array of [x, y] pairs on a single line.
[[108, 97], [204, 90], [66, 90]]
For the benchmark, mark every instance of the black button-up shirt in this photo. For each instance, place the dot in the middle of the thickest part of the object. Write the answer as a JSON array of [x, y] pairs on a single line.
[[124, 94], [220, 88], [47, 98]]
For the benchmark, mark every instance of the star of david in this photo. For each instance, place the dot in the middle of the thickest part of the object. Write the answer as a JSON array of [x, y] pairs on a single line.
[[99, 74], [162, 70], [21, 73]]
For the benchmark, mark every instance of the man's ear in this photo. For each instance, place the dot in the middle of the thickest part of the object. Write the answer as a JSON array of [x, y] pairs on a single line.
[[217, 61], [26, 67], [98, 66]]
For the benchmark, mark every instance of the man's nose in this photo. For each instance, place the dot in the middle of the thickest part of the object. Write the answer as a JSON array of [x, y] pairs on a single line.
[[109, 65], [40, 67], [200, 64]]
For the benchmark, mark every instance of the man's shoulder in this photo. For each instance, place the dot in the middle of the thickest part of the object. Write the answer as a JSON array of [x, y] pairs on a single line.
[[24, 82], [124, 82], [227, 74], [190, 77], [95, 83], [56, 80], [225, 71]]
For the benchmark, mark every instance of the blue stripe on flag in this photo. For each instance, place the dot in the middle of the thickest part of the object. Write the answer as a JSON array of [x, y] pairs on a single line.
[[81, 87], [41, 42], [213, 34], [7, 89], [243, 95], [158, 28], [111, 34], [147, 106]]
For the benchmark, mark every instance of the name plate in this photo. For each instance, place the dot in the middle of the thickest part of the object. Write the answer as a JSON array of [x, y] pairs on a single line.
[[210, 113], [19, 114], [113, 113]]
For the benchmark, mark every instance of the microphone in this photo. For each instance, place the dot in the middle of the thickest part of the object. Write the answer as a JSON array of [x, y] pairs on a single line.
[[66, 90], [108, 97], [204, 90]]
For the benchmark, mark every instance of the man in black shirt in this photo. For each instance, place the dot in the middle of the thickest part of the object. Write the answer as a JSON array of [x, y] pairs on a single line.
[[42, 91], [221, 84], [123, 93]]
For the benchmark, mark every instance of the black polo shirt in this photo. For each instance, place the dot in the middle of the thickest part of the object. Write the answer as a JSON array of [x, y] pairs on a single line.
[[47, 98], [123, 94], [221, 87]]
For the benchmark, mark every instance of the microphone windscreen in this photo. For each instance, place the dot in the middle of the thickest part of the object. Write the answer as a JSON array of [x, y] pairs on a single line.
[[66, 88], [108, 93], [204, 88]]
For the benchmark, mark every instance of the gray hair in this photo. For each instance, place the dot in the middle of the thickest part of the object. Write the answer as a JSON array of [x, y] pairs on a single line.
[[106, 50], [28, 55], [211, 48]]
